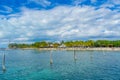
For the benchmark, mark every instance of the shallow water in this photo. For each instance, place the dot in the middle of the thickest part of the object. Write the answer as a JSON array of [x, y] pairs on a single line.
[[35, 65]]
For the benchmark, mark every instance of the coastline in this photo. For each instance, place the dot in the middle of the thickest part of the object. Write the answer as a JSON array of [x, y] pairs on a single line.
[[94, 49]]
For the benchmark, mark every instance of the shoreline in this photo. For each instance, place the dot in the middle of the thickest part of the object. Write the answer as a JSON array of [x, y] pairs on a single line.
[[90, 49]]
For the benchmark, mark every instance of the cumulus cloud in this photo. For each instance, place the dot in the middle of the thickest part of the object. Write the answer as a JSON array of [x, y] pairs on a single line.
[[61, 23]]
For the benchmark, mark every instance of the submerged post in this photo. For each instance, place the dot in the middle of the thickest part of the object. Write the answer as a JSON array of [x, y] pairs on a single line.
[[51, 60], [3, 63]]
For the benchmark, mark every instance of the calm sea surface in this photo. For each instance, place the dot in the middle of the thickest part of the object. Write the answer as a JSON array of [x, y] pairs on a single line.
[[35, 65]]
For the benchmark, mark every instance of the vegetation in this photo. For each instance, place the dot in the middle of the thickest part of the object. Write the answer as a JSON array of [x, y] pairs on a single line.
[[89, 43]]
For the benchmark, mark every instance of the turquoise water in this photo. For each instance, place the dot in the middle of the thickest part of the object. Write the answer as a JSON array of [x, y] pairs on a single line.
[[34, 65]]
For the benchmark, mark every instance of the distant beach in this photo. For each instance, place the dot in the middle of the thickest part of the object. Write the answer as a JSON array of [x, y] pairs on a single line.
[[102, 48]]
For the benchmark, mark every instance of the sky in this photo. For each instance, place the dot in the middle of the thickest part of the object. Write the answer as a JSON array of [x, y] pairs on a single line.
[[28, 21]]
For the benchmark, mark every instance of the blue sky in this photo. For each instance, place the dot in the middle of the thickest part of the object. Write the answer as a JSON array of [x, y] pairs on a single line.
[[27, 21]]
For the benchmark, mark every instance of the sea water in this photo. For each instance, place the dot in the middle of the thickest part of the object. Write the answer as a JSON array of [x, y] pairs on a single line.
[[35, 65]]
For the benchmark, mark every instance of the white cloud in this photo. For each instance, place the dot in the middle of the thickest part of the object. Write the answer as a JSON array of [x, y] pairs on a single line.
[[1, 34], [77, 2], [114, 2], [43, 3], [6, 9], [61, 23], [93, 1], [111, 4]]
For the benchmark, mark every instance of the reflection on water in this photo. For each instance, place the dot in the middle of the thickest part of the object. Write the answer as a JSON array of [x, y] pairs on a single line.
[[68, 65]]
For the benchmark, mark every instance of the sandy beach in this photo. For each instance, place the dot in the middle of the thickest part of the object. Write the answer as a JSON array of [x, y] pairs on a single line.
[[100, 48]]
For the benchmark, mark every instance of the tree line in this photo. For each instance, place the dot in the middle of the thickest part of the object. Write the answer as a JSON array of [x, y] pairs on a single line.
[[80, 43]]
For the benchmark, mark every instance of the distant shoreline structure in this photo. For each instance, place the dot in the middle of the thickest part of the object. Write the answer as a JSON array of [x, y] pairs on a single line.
[[94, 49], [70, 45]]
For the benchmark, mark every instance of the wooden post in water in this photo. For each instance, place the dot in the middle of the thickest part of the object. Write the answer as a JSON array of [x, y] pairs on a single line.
[[75, 57], [3, 63], [51, 60]]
